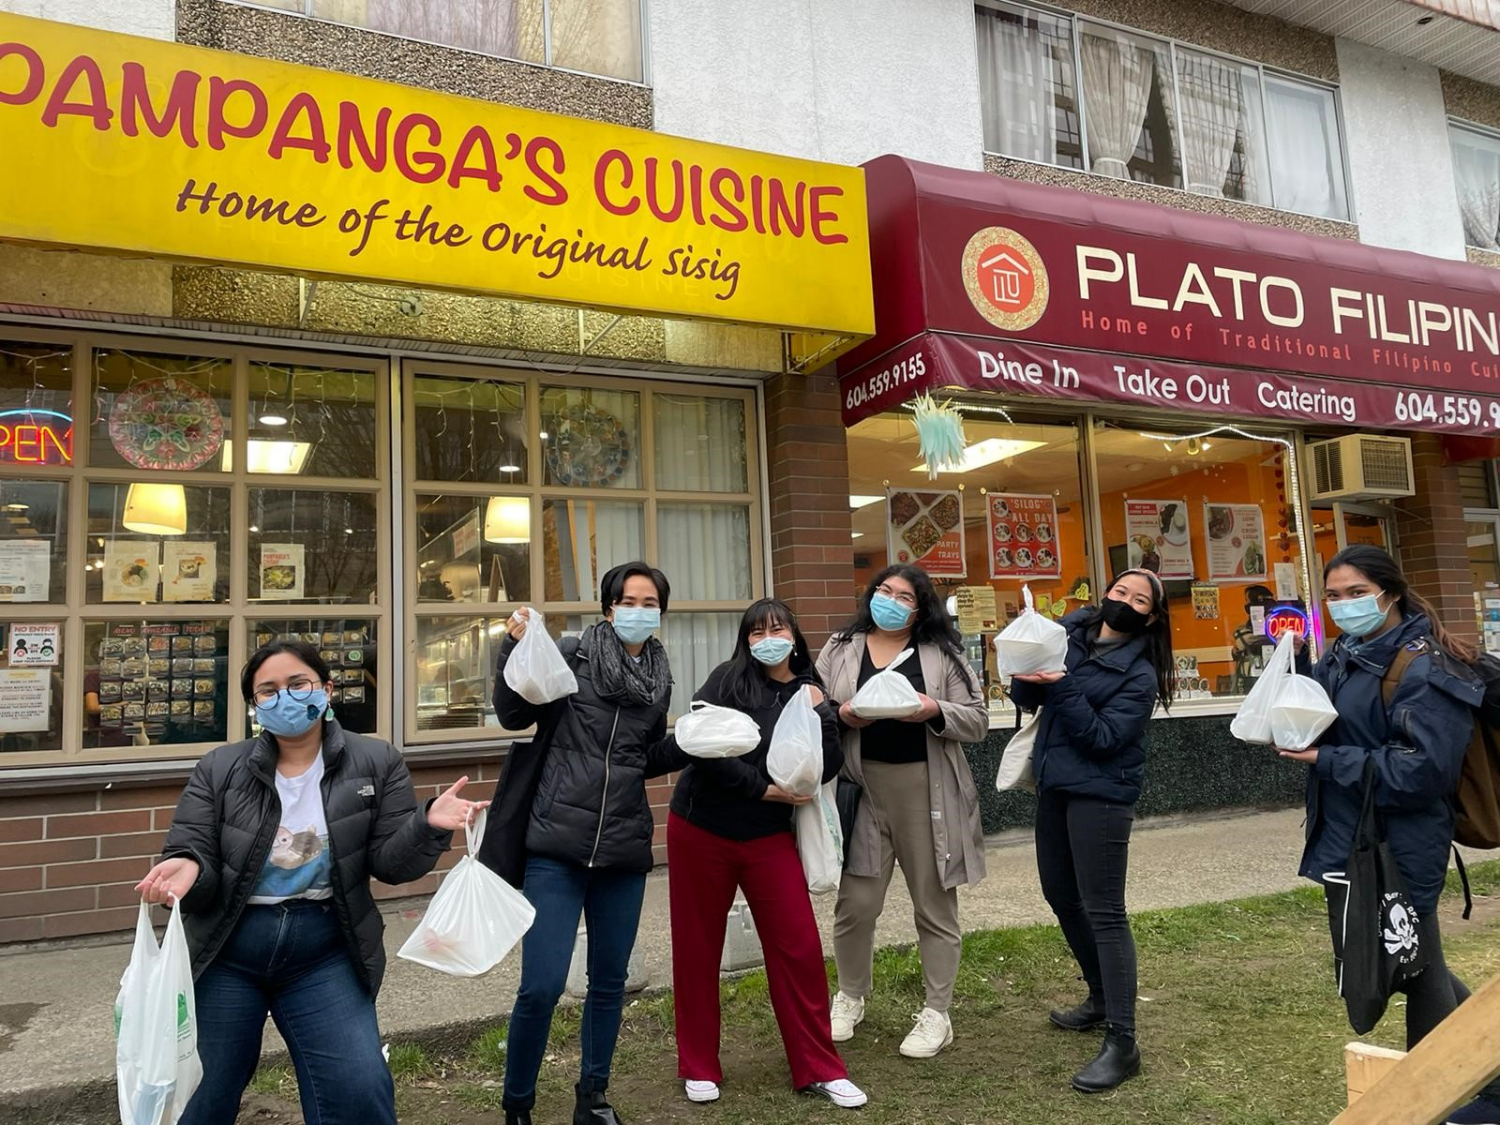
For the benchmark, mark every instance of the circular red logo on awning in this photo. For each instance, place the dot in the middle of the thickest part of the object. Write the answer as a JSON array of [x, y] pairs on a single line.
[[1005, 278]]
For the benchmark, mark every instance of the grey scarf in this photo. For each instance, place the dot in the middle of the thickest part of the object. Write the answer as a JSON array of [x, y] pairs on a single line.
[[622, 680]]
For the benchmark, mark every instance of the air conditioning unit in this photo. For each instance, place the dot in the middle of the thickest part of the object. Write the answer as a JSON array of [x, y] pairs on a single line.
[[1362, 467]]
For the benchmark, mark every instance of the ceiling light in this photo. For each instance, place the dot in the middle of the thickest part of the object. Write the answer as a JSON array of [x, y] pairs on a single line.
[[510, 468], [986, 452], [254, 530], [155, 509], [272, 420], [279, 457], [507, 519], [544, 435], [856, 535], [348, 531], [16, 507], [858, 502], [1205, 444]]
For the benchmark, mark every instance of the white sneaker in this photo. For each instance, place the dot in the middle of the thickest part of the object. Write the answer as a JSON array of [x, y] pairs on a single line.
[[847, 1014], [933, 1032], [702, 1092], [841, 1092]]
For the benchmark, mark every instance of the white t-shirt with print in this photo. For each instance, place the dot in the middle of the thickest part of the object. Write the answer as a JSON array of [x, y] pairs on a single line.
[[299, 865]]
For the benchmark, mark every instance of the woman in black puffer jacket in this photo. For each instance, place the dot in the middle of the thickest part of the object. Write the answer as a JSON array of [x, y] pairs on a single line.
[[271, 852], [572, 826]]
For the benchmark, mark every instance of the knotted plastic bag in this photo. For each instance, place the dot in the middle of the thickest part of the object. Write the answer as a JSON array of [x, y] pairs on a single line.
[[536, 670], [795, 758], [1282, 708], [156, 1026], [710, 731], [820, 840], [475, 918], [1031, 643], [887, 694]]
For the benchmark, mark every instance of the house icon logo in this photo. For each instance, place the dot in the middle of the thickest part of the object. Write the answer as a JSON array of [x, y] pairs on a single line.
[[1005, 278]]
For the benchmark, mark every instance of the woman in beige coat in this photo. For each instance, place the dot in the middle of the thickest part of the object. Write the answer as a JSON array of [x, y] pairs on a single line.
[[918, 803]]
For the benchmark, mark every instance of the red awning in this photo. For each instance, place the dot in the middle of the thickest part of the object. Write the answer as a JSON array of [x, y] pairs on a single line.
[[985, 282]]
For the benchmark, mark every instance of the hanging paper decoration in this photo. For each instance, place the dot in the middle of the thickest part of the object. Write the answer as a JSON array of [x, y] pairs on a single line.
[[587, 447], [940, 430], [166, 423]]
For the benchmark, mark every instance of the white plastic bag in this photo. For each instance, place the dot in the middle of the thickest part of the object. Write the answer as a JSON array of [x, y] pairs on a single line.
[[820, 840], [475, 918], [1031, 643], [888, 694], [1282, 708], [709, 731], [1015, 764], [156, 1026], [795, 757], [536, 670]]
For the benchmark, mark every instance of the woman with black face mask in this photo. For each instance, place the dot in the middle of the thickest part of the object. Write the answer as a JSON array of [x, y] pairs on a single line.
[[1089, 760]]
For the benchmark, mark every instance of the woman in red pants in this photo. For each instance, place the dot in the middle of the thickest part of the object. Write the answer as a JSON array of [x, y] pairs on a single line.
[[731, 827]]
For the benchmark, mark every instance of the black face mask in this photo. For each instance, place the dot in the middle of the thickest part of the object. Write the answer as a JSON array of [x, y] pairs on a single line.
[[1123, 617]]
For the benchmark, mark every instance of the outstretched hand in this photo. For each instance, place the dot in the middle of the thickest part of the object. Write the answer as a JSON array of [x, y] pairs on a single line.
[[450, 812], [169, 879]]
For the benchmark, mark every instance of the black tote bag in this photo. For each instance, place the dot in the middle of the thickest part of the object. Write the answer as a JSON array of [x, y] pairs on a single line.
[[1382, 942]]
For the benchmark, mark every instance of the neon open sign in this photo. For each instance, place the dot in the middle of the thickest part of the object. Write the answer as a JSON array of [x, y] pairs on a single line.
[[1286, 619], [36, 437]]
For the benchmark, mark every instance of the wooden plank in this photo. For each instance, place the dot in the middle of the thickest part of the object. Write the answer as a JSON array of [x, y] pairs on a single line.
[[1441, 1073], [1365, 1065]]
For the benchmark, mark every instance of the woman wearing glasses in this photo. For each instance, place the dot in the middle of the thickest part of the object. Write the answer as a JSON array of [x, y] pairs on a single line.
[[919, 805], [271, 852]]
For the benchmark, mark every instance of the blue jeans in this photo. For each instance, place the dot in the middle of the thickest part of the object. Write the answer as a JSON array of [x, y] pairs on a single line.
[[292, 962], [610, 903]]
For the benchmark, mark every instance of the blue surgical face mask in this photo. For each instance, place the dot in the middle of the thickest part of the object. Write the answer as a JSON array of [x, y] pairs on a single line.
[[290, 717], [890, 614], [1359, 617], [771, 651], [635, 623]]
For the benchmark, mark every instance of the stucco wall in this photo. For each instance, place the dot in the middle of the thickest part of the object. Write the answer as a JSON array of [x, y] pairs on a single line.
[[1396, 133], [151, 18]]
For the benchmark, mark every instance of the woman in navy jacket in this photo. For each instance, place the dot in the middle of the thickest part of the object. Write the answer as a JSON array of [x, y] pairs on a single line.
[[1089, 760], [1417, 746]]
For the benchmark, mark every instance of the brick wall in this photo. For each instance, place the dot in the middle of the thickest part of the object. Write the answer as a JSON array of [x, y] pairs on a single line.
[[1433, 541], [812, 557]]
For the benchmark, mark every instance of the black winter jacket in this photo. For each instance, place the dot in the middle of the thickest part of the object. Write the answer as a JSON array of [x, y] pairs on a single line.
[[590, 806], [1091, 742], [226, 821], [724, 795]]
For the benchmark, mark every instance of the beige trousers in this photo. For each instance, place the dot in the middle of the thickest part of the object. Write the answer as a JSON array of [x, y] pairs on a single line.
[[897, 797]]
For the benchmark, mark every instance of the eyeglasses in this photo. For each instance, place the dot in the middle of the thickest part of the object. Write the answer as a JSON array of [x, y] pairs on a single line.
[[908, 600], [297, 690]]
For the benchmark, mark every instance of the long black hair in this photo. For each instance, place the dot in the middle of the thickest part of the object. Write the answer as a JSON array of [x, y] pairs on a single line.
[[1385, 572], [1158, 635], [930, 624], [744, 684]]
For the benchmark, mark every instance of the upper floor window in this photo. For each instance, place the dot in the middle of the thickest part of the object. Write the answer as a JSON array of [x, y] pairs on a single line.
[[1064, 90], [593, 36], [1476, 172]]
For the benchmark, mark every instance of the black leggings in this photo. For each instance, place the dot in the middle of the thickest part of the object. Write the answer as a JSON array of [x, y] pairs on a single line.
[[1082, 852]]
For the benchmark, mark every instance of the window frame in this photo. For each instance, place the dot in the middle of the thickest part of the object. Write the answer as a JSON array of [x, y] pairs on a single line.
[[643, 14], [1173, 45], [1487, 132]]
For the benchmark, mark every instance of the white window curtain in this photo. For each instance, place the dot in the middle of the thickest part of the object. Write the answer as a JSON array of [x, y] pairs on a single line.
[[705, 550], [1221, 109], [492, 27], [696, 644], [700, 443], [1476, 171], [1306, 169], [1016, 80], [592, 536], [1117, 77]]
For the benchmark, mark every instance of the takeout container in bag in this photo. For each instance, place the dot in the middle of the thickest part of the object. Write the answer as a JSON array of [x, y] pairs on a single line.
[[1031, 643], [888, 694]]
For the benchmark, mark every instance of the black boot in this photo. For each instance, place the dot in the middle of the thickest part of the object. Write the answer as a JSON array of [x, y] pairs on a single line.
[[1085, 1017], [593, 1109], [1118, 1060], [517, 1116]]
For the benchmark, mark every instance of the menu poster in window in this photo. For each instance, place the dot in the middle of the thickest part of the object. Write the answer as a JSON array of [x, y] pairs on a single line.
[[25, 699], [283, 570], [1205, 602], [33, 643], [1023, 536], [130, 570], [466, 537], [25, 570], [1158, 537], [977, 610], [1236, 541], [189, 571], [927, 529]]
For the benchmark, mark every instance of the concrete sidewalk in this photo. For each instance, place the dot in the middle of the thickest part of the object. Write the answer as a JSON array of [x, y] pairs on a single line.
[[55, 1003]]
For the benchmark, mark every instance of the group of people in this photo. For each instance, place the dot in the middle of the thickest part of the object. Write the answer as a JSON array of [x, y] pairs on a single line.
[[275, 839]]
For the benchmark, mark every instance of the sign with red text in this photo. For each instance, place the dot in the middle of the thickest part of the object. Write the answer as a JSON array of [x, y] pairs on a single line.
[[35, 437], [1285, 619], [1159, 538], [1023, 536], [149, 148], [926, 528], [34, 643], [1236, 541]]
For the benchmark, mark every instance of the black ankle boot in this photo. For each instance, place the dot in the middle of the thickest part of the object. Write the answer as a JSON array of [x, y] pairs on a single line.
[[593, 1109], [517, 1116], [1085, 1017], [1119, 1059]]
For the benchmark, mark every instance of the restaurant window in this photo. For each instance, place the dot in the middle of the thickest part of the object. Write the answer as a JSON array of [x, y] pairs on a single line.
[[602, 37], [215, 496], [594, 473], [1155, 111], [1476, 175]]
